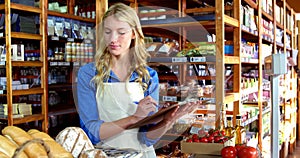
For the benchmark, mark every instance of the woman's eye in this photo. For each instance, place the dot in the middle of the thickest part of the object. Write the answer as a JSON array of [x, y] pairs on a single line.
[[107, 32], [121, 33]]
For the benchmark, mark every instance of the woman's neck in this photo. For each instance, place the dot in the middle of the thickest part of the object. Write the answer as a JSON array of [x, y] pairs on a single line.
[[121, 67]]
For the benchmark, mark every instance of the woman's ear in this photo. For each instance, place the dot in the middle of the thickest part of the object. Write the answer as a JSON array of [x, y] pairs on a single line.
[[133, 35]]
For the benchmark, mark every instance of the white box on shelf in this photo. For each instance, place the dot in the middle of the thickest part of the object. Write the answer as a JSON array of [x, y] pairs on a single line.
[[17, 51]]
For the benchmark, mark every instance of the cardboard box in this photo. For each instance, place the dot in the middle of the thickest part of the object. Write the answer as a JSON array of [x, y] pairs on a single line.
[[17, 51], [204, 148]]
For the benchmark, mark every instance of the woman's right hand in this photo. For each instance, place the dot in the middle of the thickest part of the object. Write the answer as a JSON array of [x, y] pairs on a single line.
[[145, 106]]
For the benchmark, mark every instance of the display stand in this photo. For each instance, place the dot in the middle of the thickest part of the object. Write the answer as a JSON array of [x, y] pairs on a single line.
[[275, 65]]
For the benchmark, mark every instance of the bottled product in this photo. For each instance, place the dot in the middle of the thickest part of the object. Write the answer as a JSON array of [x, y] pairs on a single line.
[[240, 132], [222, 119], [229, 130]]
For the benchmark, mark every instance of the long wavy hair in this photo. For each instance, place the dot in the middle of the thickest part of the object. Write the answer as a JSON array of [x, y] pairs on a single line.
[[138, 53]]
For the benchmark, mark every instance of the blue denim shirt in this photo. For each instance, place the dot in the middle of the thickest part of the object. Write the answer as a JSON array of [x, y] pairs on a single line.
[[87, 104]]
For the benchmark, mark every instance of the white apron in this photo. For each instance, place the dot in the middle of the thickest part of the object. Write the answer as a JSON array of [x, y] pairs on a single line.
[[117, 102]]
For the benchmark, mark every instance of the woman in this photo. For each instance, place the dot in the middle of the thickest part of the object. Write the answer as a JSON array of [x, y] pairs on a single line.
[[119, 89]]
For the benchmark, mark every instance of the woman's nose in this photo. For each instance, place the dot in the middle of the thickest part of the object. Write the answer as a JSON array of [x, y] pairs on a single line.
[[113, 37]]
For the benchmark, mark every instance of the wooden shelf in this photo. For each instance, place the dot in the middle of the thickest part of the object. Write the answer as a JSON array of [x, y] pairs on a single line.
[[22, 8], [231, 97], [231, 21], [232, 60], [27, 63], [28, 91], [28, 36], [268, 16], [203, 10], [251, 4], [61, 87], [62, 110], [26, 119], [70, 16]]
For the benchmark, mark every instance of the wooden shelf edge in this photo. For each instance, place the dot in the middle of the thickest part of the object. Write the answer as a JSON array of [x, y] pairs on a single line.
[[232, 60], [28, 91], [251, 4], [231, 97], [26, 8], [231, 21], [27, 63], [22, 7], [26, 36], [70, 16], [31, 118]]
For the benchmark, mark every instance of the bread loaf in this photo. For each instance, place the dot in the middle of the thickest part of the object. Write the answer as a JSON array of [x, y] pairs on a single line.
[[8, 148], [56, 150], [74, 140], [19, 136], [2, 155]]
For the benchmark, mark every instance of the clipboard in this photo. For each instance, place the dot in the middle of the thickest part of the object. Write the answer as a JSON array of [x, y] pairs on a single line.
[[151, 119]]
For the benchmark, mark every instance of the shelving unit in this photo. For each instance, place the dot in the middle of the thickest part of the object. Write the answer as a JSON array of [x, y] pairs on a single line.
[[8, 8], [182, 22], [63, 91], [222, 25]]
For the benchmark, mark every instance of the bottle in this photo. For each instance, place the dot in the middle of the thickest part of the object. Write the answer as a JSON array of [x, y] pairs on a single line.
[[240, 132], [229, 130]]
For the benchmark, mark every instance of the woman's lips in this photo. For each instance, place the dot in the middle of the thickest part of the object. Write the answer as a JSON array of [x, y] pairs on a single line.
[[113, 46]]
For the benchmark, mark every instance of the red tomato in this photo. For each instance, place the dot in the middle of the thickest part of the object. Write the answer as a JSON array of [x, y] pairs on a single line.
[[203, 140], [217, 139], [222, 133], [195, 136], [248, 152], [228, 152], [210, 139], [239, 147], [189, 140]]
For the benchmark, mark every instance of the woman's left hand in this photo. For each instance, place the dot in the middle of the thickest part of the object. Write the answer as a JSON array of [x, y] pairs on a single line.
[[181, 110]]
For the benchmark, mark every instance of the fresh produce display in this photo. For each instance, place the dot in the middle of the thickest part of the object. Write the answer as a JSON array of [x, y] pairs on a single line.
[[212, 136], [239, 151], [229, 152]]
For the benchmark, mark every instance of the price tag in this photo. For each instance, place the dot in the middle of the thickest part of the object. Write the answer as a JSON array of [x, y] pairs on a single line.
[[54, 38], [169, 98], [70, 39], [53, 63], [194, 130], [75, 63], [197, 59], [67, 63], [60, 63], [87, 41], [2, 63], [179, 59]]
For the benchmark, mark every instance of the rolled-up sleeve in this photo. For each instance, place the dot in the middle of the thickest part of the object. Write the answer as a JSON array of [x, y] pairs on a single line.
[[153, 91], [87, 106]]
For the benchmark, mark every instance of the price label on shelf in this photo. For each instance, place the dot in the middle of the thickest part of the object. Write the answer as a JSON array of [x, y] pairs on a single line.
[[179, 59], [76, 63], [169, 98], [53, 63], [66, 63], [54, 38], [87, 41], [197, 59], [70, 39]]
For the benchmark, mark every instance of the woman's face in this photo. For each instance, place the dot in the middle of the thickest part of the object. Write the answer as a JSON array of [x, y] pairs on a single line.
[[117, 36]]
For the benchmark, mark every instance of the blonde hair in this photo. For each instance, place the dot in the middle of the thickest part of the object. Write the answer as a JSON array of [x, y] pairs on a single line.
[[138, 53]]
